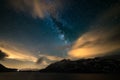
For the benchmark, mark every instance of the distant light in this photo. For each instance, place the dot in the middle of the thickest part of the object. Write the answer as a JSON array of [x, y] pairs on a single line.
[[18, 70]]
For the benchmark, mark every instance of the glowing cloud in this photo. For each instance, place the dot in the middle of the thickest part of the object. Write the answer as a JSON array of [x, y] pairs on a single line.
[[16, 53], [101, 40], [96, 43], [48, 58], [18, 58]]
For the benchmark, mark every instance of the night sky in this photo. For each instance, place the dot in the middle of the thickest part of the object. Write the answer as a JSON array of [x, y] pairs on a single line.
[[35, 33]]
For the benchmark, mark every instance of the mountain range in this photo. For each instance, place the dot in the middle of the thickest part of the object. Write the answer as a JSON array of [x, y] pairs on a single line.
[[96, 65]]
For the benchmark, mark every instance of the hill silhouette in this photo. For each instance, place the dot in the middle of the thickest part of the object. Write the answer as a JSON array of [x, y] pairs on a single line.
[[96, 65], [4, 69]]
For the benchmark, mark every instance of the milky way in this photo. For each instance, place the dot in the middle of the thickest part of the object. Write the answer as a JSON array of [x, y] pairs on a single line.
[[44, 9], [57, 28]]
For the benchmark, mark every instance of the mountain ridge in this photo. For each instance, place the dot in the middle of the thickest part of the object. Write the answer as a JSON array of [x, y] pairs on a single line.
[[96, 65], [4, 69]]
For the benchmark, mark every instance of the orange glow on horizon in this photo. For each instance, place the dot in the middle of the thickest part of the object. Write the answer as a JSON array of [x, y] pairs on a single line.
[[15, 53], [90, 45]]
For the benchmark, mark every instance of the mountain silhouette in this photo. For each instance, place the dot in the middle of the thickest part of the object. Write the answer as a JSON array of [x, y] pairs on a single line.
[[96, 65], [4, 69]]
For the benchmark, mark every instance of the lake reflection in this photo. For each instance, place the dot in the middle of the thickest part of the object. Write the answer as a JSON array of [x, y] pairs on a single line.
[[55, 76]]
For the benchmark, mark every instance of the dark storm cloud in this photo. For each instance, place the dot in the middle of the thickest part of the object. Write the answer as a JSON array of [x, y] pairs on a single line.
[[40, 60], [2, 55], [48, 59]]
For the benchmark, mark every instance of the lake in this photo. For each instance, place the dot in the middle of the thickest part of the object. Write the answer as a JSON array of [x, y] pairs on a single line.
[[55, 76]]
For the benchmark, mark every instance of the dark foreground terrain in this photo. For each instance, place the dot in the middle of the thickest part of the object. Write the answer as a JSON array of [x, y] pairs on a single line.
[[97, 65], [55, 76], [4, 69]]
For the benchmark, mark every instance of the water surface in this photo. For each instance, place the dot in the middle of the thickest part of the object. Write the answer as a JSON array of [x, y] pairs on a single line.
[[55, 76]]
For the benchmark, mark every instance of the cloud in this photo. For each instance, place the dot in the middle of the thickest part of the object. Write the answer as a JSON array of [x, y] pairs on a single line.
[[15, 52], [49, 59], [37, 8], [22, 65], [18, 58], [102, 39], [42, 62], [2, 55], [96, 43]]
